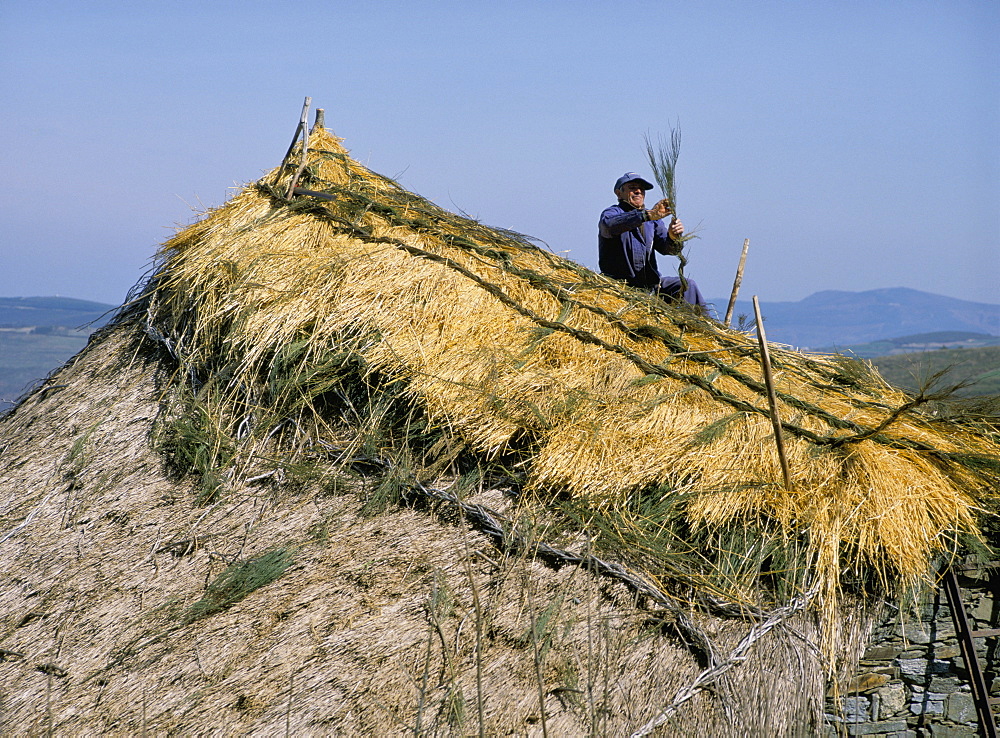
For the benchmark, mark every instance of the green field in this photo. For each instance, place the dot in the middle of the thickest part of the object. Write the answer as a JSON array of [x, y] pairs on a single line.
[[980, 366]]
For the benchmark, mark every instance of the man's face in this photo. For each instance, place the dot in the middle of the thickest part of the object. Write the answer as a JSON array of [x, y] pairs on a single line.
[[632, 193]]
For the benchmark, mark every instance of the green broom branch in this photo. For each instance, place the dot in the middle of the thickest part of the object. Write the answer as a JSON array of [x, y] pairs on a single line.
[[663, 161]]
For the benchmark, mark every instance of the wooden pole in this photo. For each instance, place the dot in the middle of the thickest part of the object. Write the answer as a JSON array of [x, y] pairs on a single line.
[[738, 282], [320, 120], [772, 399], [303, 123], [298, 129]]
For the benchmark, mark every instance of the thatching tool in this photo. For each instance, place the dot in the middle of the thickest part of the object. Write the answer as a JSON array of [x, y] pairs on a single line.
[[737, 282], [772, 400]]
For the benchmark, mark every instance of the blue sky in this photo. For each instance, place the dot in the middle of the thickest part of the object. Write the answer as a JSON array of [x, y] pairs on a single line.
[[857, 144]]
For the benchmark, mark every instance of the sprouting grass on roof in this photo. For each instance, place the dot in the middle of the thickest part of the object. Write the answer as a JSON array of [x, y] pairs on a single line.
[[431, 332], [237, 581]]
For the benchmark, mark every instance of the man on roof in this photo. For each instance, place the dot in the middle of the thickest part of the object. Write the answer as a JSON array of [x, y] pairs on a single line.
[[629, 236]]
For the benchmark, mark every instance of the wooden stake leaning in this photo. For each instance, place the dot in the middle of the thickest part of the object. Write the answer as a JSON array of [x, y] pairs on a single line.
[[303, 123], [738, 282], [298, 129], [772, 400]]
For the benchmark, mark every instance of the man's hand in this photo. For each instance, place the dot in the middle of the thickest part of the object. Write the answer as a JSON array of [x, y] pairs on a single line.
[[660, 210], [676, 230]]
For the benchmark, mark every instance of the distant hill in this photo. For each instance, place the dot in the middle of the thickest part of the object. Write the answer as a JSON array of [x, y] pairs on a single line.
[[979, 366], [933, 341], [909, 362], [38, 334], [21, 312], [840, 318]]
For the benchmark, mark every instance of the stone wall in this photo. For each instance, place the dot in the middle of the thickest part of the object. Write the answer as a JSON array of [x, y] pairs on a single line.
[[912, 681]]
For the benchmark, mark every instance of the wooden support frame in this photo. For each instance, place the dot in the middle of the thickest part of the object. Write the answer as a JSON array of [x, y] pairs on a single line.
[[980, 691]]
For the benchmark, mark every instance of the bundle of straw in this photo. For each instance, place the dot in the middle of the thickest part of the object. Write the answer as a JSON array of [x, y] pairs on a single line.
[[663, 161]]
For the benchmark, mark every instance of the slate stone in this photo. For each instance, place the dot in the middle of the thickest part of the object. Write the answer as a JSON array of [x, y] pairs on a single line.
[[927, 703], [953, 731], [914, 632], [892, 699], [880, 653], [960, 708], [947, 652], [856, 709], [866, 682], [983, 611], [945, 684], [913, 667], [923, 667], [887, 726]]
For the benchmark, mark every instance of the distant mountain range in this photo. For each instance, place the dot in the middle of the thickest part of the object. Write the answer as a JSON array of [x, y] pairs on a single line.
[[37, 334], [829, 319], [67, 312], [838, 319]]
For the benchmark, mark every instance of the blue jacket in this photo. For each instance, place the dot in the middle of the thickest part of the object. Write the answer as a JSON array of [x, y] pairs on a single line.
[[627, 245]]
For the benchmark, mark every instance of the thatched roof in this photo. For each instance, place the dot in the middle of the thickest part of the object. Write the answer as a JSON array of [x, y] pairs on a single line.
[[246, 504]]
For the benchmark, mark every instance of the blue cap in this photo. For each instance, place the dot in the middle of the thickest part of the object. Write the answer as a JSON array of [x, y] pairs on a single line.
[[632, 177]]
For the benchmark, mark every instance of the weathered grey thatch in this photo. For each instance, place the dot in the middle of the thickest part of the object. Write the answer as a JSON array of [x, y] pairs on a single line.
[[373, 629]]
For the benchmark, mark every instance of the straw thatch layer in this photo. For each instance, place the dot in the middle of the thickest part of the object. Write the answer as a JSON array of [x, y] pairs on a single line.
[[576, 385]]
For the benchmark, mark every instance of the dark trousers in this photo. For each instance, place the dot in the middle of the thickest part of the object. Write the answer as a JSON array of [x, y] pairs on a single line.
[[670, 287]]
